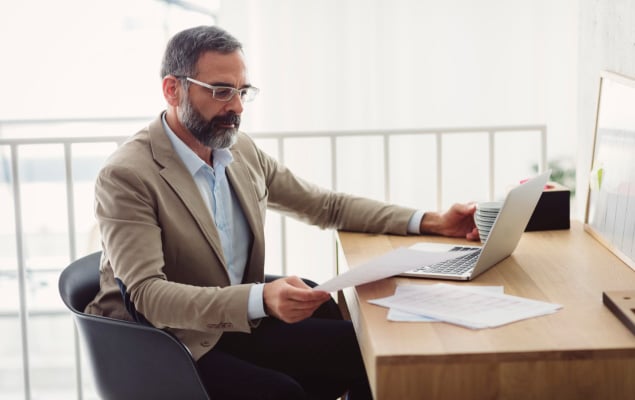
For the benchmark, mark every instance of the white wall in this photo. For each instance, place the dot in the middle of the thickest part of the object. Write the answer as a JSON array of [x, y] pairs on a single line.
[[607, 42], [334, 64]]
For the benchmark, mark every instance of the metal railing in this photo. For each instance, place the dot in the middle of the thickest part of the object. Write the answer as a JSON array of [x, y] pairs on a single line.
[[14, 144]]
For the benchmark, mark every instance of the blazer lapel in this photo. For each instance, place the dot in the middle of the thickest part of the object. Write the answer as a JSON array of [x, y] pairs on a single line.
[[241, 183], [176, 175], [243, 188]]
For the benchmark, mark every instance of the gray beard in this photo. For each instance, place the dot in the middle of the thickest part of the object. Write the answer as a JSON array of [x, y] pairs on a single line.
[[220, 138], [205, 131]]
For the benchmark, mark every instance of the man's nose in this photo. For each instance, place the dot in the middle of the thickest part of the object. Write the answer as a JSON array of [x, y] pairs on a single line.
[[235, 104]]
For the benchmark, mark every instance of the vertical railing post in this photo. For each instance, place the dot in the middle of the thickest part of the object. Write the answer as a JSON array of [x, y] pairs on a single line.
[[72, 247], [333, 142], [491, 145], [386, 138], [70, 200], [17, 207], [543, 149], [283, 222], [439, 139], [334, 185]]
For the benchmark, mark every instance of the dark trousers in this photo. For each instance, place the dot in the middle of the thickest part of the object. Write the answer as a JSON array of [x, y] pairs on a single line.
[[317, 358]]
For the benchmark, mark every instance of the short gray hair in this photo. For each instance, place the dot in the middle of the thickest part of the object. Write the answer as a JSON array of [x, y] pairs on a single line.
[[185, 48]]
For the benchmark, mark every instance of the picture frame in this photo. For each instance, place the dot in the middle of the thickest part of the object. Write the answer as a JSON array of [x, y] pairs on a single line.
[[610, 209]]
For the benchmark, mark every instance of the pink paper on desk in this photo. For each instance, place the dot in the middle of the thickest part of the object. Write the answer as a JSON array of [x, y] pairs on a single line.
[[393, 263]]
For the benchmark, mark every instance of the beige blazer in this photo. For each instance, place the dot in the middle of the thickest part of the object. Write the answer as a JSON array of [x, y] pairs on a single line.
[[160, 240]]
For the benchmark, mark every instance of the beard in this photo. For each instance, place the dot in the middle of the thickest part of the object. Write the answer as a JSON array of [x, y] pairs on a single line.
[[211, 133]]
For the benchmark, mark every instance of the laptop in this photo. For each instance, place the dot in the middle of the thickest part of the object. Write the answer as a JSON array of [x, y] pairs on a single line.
[[503, 238]]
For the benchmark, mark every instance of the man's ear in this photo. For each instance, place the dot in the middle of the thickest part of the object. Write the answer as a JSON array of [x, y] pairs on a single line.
[[172, 90]]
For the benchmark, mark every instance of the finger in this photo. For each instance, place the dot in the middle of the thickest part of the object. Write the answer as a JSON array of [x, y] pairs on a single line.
[[473, 235], [306, 295], [297, 314], [303, 306], [469, 209]]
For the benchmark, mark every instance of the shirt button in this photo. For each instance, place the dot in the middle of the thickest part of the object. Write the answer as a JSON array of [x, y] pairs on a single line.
[[205, 343]]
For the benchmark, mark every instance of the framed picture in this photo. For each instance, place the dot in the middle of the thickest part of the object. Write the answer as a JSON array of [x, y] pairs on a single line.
[[610, 211]]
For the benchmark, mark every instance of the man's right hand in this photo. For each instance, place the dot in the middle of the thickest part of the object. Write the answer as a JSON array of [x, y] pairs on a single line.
[[291, 300]]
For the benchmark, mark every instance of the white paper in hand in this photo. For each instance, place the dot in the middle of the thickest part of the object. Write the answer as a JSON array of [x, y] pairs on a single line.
[[393, 263]]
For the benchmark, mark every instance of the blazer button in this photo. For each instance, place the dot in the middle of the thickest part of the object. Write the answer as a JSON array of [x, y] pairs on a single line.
[[205, 343]]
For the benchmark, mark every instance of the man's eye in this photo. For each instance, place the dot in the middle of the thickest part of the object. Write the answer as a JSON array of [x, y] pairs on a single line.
[[223, 92]]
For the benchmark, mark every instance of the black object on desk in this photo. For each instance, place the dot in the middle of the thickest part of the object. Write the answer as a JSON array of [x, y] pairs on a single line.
[[552, 211]]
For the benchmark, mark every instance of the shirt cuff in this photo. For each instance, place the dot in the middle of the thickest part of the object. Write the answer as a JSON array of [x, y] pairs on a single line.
[[414, 225], [256, 307]]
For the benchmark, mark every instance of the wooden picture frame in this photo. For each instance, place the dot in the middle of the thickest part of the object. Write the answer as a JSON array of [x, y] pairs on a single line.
[[610, 210]]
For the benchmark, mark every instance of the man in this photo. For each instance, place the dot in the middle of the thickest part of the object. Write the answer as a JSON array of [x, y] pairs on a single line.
[[181, 208]]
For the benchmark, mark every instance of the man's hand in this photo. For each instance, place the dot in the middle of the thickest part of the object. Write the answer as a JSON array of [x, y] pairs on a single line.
[[458, 221], [291, 300]]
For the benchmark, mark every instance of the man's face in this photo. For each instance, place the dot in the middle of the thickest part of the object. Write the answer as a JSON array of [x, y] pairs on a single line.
[[213, 122], [217, 133]]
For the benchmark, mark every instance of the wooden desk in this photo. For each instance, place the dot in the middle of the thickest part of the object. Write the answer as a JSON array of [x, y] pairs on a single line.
[[581, 352]]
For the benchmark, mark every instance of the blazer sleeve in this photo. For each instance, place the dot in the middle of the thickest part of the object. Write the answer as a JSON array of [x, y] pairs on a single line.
[[294, 196]]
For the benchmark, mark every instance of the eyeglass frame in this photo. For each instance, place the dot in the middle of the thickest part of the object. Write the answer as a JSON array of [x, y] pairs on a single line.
[[242, 92]]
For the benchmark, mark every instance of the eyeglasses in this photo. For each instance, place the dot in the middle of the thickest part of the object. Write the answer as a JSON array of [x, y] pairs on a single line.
[[226, 93]]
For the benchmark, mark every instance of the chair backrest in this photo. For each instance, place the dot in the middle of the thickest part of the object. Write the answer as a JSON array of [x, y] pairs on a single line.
[[79, 282], [128, 360]]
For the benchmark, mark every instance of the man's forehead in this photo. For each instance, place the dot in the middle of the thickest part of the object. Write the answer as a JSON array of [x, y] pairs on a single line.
[[213, 62]]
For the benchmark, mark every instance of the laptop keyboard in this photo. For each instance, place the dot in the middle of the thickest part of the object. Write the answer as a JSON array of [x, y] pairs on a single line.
[[455, 266]]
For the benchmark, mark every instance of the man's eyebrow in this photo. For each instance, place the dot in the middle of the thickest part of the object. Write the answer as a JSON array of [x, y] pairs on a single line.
[[226, 84]]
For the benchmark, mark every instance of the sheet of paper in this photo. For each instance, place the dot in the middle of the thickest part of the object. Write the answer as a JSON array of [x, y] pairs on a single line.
[[465, 306], [393, 263], [396, 315]]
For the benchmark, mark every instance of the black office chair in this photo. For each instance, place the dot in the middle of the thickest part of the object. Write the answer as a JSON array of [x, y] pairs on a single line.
[[129, 360]]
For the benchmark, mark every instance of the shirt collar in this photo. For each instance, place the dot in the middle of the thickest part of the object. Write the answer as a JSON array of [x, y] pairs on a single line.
[[192, 161], [222, 157]]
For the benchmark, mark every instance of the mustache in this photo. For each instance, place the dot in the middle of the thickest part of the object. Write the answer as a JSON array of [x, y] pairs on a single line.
[[231, 118]]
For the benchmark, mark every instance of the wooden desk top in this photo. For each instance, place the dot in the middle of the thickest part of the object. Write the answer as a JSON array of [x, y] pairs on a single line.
[[567, 267]]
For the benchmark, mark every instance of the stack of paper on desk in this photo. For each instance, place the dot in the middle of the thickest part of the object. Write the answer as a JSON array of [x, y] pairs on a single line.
[[465, 306], [405, 316]]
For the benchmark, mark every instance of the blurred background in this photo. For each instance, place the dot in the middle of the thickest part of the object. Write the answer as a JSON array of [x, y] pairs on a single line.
[[87, 68]]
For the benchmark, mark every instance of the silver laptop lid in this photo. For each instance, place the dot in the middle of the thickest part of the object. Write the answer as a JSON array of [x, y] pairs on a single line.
[[511, 222]]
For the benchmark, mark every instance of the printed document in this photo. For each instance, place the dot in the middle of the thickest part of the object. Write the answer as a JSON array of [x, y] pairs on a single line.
[[396, 315], [462, 305]]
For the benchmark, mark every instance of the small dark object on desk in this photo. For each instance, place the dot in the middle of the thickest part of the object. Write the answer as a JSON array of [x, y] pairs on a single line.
[[622, 304], [552, 211]]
